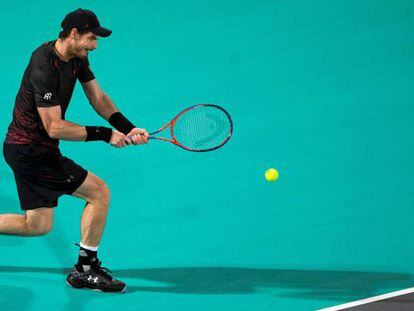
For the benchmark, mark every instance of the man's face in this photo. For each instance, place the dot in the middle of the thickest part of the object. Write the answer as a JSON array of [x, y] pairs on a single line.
[[84, 44]]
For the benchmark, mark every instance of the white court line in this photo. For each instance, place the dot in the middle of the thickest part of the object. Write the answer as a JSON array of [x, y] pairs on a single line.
[[369, 300]]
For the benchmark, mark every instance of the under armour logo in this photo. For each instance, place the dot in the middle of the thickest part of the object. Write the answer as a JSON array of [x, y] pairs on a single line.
[[95, 279], [48, 96], [82, 253]]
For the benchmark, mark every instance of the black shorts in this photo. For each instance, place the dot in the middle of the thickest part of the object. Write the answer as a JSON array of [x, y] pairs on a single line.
[[42, 174]]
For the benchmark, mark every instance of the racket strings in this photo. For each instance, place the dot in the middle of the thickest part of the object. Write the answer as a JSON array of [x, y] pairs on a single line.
[[202, 128]]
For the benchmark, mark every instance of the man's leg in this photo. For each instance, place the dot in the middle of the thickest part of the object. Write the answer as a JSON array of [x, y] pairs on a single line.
[[96, 193], [35, 222], [87, 273]]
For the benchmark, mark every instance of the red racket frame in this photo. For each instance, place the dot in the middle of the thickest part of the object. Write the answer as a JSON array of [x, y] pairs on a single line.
[[173, 121]]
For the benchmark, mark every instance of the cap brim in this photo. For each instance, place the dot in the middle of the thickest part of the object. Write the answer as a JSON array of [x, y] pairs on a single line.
[[101, 31]]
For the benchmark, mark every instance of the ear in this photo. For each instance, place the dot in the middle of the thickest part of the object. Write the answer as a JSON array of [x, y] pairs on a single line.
[[74, 34]]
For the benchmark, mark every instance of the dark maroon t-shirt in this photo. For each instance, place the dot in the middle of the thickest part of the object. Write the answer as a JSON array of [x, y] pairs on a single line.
[[47, 81]]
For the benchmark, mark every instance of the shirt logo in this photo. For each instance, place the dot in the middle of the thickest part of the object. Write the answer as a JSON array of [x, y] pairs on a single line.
[[48, 96]]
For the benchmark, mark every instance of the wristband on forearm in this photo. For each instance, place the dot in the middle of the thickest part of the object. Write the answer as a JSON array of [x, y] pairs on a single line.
[[122, 124], [98, 133]]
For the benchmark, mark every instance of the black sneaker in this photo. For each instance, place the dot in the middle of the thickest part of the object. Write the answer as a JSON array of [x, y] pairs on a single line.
[[97, 278]]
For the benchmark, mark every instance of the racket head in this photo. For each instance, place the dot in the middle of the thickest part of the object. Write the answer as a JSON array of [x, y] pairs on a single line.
[[201, 128]]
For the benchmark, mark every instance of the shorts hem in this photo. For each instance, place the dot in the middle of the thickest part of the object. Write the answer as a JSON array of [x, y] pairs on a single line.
[[37, 207], [79, 183]]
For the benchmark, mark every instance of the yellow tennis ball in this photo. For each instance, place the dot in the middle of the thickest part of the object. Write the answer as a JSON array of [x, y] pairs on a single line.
[[271, 175]]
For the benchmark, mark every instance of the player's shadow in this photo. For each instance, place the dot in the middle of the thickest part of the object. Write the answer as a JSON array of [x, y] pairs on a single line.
[[305, 284], [15, 298]]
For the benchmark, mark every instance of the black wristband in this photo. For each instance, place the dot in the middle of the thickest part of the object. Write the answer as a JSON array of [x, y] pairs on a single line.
[[122, 124], [98, 133]]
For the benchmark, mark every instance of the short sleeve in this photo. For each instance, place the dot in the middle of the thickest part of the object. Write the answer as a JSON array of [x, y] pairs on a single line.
[[45, 84], [85, 72]]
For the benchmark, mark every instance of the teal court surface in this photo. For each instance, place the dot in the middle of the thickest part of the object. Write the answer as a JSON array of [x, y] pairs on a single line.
[[320, 90]]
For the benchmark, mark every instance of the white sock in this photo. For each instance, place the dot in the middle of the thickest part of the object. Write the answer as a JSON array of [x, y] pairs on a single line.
[[90, 248]]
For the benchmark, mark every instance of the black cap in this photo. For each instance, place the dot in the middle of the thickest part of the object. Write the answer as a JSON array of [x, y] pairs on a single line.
[[84, 20]]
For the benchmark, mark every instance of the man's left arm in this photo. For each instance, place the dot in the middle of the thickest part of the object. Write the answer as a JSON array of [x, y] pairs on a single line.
[[106, 108]]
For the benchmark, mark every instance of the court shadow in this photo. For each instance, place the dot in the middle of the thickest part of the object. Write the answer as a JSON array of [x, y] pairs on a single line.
[[11, 269], [305, 284], [15, 298]]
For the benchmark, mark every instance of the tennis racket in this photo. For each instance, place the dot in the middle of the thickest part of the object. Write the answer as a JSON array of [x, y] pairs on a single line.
[[199, 128]]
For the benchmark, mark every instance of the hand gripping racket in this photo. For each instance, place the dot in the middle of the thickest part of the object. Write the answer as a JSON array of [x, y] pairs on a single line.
[[199, 128]]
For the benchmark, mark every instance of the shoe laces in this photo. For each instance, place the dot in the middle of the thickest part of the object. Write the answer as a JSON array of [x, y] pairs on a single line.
[[96, 267], [105, 272]]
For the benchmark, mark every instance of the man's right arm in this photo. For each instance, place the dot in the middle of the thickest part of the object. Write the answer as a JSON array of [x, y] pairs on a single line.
[[44, 82], [58, 128]]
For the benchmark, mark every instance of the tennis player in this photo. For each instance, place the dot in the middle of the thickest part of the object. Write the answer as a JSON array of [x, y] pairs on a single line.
[[31, 147]]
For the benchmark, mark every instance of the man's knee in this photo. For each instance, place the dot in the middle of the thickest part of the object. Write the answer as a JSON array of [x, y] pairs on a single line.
[[101, 193], [38, 225], [39, 229]]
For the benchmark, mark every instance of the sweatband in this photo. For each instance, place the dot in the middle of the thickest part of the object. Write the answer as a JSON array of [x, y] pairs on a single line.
[[122, 124], [98, 133]]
